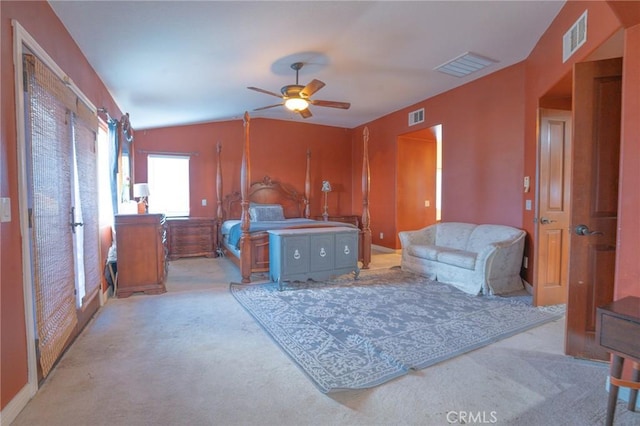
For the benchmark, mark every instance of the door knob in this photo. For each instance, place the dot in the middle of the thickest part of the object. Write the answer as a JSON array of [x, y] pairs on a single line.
[[584, 230], [73, 222], [546, 221]]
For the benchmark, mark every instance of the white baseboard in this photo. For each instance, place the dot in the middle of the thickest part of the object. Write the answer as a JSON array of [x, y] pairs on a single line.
[[528, 287], [13, 408], [383, 249]]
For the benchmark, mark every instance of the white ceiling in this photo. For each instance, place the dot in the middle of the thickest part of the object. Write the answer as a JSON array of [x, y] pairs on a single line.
[[182, 62]]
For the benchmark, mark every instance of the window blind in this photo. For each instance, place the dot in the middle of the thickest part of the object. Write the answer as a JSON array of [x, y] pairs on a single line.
[[61, 133]]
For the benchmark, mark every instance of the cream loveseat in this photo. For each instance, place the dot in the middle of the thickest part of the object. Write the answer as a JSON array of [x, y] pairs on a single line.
[[477, 259]]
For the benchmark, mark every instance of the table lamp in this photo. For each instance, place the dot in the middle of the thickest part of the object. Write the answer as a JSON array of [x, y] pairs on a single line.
[[326, 188], [141, 191]]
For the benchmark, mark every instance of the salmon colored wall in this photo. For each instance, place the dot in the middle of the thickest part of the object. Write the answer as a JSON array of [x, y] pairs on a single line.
[[482, 153], [39, 20], [278, 149]]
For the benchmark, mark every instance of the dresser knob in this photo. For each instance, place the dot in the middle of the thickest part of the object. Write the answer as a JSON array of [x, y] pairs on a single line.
[[323, 253], [296, 254], [346, 249]]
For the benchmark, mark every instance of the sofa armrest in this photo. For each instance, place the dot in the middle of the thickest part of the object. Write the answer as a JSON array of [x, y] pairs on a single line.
[[424, 236], [502, 262]]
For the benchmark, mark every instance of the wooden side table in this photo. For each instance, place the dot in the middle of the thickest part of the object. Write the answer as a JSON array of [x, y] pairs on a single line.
[[352, 219], [618, 332], [192, 236]]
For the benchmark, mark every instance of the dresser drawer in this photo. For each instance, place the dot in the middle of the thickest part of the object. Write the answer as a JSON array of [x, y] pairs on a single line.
[[615, 332], [295, 255], [346, 249], [321, 252]]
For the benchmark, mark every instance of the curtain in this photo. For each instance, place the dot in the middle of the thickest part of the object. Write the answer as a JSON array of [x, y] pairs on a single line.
[[114, 149]]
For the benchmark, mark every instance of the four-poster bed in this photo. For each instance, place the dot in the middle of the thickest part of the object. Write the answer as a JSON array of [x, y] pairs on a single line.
[[245, 217]]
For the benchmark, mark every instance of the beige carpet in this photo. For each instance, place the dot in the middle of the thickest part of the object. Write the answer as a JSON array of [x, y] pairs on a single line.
[[193, 356]]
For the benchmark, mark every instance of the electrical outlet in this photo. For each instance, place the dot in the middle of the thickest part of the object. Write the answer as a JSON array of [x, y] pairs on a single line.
[[381, 236], [525, 262], [427, 203], [5, 209], [204, 201]]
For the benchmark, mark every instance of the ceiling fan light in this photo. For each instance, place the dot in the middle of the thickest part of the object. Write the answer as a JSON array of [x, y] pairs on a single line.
[[296, 104]]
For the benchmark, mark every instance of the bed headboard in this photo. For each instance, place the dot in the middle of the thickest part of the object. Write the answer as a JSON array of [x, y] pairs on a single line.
[[266, 191]]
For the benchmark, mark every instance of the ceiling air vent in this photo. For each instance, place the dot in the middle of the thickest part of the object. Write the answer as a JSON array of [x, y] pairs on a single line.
[[575, 37], [416, 117], [465, 64]]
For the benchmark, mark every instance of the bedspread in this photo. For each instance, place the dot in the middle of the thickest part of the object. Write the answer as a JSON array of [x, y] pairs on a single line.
[[235, 231]]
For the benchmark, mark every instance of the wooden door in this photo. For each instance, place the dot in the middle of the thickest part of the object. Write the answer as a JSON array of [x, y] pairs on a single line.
[[554, 183], [597, 96], [416, 181]]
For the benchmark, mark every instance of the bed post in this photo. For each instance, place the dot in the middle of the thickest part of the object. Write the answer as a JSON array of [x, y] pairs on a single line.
[[219, 183], [219, 217], [245, 179], [307, 186], [366, 231]]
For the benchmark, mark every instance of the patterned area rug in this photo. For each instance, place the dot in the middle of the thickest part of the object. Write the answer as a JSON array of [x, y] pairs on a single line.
[[356, 334]]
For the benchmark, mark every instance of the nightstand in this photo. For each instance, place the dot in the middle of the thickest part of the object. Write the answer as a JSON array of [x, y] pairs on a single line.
[[618, 331], [352, 219]]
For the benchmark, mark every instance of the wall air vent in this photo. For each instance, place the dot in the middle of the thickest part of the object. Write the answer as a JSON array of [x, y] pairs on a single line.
[[575, 37], [416, 117], [465, 64]]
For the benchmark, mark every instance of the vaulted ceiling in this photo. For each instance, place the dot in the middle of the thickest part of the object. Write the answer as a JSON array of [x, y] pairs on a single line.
[[183, 62]]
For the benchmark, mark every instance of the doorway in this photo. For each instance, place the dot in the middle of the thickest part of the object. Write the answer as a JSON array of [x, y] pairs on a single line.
[[57, 184], [419, 179], [575, 249]]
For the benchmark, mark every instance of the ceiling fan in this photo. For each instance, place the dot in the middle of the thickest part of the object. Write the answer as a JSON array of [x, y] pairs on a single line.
[[297, 97]]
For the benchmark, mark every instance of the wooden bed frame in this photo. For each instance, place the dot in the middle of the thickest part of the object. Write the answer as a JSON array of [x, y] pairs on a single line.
[[254, 247]]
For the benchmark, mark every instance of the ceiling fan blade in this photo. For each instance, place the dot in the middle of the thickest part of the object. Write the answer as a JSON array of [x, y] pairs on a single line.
[[264, 91], [331, 104], [305, 113], [267, 107], [311, 88]]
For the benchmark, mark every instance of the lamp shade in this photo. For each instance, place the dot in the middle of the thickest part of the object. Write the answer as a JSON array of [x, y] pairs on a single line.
[[140, 190], [326, 186]]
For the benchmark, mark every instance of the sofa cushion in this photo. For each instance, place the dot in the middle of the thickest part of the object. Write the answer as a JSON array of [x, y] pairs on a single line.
[[424, 252], [484, 235], [454, 234], [459, 258]]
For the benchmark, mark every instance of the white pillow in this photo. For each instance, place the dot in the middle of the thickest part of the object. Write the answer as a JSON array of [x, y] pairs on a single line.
[[266, 212]]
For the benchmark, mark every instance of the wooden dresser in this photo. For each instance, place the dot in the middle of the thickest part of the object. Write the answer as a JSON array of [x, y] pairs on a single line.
[[141, 248], [192, 236]]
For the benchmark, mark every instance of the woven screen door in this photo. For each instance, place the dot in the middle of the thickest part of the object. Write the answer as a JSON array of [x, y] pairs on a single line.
[[57, 118], [88, 236]]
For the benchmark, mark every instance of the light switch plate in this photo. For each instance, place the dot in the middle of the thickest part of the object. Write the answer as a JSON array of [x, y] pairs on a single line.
[[5, 209]]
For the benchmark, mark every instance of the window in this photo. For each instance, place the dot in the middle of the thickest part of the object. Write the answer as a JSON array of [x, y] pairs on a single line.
[[168, 179]]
